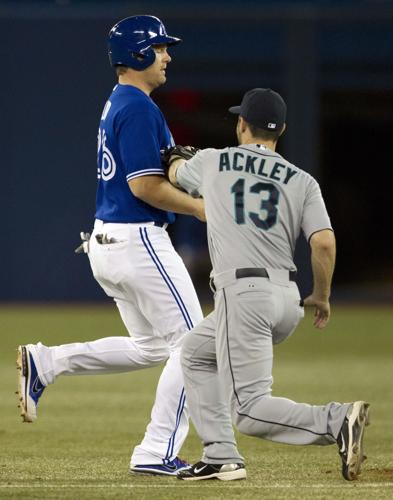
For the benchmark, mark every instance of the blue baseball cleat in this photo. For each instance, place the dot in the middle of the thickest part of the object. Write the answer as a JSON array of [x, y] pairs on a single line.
[[169, 469], [30, 387]]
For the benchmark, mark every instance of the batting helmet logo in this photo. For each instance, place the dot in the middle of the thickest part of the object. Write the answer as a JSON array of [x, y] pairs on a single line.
[[130, 41]]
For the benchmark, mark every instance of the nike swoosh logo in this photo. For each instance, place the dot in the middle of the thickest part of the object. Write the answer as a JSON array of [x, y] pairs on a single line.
[[34, 387], [197, 471]]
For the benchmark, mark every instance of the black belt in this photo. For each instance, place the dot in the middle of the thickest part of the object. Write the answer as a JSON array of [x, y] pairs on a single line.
[[249, 272], [155, 223]]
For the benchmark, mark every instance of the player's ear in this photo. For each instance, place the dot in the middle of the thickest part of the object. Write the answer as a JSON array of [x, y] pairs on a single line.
[[242, 124], [284, 127]]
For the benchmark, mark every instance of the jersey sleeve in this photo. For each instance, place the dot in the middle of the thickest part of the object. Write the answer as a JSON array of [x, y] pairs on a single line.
[[139, 145], [315, 217], [190, 174]]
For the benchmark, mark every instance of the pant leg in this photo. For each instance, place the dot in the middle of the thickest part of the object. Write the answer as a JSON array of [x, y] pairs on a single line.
[[169, 302], [169, 424], [208, 399], [106, 355], [158, 305], [249, 314]]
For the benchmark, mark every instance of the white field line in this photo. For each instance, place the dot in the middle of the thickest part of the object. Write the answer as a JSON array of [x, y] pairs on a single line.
[[195, 484]]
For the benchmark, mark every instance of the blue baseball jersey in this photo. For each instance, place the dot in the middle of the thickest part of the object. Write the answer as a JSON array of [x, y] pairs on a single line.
[[132, 136]]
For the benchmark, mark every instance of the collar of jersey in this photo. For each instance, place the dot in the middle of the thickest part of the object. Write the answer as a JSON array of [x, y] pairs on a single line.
[[127, 87], [260, 149]]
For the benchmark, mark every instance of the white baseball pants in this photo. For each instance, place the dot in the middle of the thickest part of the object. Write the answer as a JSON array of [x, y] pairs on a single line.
[[158, 304]]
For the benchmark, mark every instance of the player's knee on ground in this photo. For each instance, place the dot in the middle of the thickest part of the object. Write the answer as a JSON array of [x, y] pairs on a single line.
[[248, 426], [241, 423]]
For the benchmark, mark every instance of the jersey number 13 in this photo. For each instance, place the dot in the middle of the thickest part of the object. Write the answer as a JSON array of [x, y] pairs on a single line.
[[267, 216]]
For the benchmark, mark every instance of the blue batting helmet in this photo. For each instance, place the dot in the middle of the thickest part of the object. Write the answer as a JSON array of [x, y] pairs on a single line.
[[130, 41]]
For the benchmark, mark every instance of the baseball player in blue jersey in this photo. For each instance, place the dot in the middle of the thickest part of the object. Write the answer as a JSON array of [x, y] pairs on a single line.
[[130, 253], [257, 203]]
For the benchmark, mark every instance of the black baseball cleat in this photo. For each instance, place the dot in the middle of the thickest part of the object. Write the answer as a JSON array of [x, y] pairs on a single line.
[[202, 470], [350, 439]]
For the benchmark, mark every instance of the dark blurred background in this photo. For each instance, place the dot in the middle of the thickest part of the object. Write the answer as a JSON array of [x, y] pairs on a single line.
[[331, 60]]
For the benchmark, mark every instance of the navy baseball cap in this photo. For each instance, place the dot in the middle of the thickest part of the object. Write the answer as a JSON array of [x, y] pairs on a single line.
[[263, 108]]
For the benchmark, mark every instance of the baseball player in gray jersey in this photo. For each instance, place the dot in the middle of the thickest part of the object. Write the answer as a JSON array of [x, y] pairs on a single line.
[[257, 203]]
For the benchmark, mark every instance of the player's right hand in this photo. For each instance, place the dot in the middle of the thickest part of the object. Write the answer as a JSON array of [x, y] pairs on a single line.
[[322, 310]]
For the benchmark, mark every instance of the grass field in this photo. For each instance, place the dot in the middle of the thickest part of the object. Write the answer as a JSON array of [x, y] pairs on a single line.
[[81, 443]]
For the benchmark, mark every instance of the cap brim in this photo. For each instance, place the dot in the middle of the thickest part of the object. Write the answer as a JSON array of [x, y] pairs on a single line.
[[235, 110]]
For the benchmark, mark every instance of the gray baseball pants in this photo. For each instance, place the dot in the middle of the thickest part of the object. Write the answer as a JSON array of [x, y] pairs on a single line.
[[227, 368]]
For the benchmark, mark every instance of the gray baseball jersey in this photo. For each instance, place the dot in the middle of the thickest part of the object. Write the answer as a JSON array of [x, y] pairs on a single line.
[[256, 205]]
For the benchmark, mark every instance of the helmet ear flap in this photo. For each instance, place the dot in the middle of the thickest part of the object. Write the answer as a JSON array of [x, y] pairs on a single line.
[[143, 59], [130, 41]]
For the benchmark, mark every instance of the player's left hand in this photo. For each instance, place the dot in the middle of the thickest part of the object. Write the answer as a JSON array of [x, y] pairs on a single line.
[[179, 152], [322, 310]]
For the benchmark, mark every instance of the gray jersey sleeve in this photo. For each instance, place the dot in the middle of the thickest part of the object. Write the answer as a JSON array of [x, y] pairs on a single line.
[[190, 174], [315, 216]]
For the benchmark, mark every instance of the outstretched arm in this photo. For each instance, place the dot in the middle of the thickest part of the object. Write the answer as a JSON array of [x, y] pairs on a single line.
[[323, 256], [159, 193]]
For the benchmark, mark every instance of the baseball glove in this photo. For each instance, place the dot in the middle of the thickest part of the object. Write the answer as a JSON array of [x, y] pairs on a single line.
[[178, 152]]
